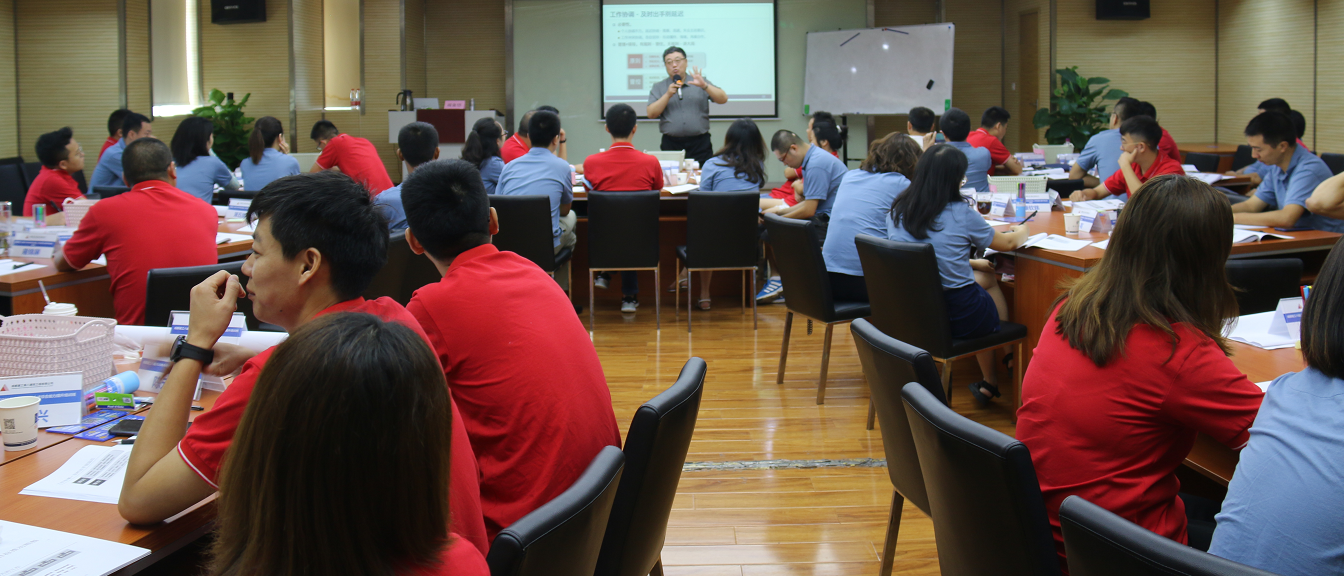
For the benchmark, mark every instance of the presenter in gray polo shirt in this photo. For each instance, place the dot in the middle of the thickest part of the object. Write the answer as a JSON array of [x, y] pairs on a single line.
[[681, 105]]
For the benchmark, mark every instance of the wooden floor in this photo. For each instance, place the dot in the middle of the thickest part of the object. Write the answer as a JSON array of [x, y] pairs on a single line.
[[824, 521]]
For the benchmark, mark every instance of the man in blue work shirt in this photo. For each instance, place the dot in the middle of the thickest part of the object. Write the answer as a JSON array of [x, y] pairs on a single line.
[[824, 173], [108, 173], [417, 143], [956, 126], [1103, 149], [540, 171], [1293, 174]]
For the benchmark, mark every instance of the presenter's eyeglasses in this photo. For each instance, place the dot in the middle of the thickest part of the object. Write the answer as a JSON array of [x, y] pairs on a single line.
[[674, 61]]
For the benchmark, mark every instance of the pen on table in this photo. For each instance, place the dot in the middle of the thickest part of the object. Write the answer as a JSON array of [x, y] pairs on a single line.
[[22, 266], [150, 400], [1030, 216]]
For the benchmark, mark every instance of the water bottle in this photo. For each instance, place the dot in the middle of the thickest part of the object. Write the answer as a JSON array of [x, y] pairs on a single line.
[[1020, 205], [6, 213], [125, 383]]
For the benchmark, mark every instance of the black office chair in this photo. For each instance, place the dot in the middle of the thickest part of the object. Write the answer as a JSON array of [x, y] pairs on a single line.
[[623, 236], [721, 234], [1261, 283], [655, 451], [888, 364], [1242, 157], [222, 197], [168, 289], [906, 295], [1334, 161], [988, 513], [30, 172], [1203, 162], [404, 273], [564, 536], [1099, 543], [13, 184], [525, 229], [1065, 187], [79, 181], [803, 270], [105, 192]]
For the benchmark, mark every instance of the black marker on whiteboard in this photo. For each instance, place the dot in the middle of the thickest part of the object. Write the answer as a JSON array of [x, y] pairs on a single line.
[[929, 86]]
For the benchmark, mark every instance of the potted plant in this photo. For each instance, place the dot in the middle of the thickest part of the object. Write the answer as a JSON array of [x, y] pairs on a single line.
[[231, 127], [1077, 110]]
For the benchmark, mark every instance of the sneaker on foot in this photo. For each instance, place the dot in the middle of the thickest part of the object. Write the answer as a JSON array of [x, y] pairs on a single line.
[[628, 305], [602, 281], [773, 289]]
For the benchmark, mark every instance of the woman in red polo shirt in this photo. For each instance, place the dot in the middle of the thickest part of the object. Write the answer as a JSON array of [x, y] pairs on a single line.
[[1132, 364], [291, 503]]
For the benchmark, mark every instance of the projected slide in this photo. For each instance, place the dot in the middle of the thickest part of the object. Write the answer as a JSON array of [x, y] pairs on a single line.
[[733, 43]]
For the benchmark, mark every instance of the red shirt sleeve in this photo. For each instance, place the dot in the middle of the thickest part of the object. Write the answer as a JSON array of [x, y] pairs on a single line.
[[997, 152], [656, 170], [1212, 396], [1167, 145], [330, 153], [1116, 183], [87, 242], [211, 433]]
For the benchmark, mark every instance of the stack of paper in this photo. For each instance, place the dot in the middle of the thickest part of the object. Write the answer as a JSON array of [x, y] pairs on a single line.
[[1205, 177], [1055, 242], [1253, 329], [94, 474], [8, 266], [682, 189], [1103, 244], [225, 237], [1240, 235], [32, 551]]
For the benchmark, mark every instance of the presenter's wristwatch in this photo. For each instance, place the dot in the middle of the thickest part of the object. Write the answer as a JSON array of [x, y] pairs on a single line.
[[183, 350]]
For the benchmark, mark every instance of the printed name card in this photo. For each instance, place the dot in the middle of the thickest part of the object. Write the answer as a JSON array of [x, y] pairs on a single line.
[[1287, 318], [237, 208], [34, 244], [999, 207], [61, 396], [1038, 202], [182, 320]]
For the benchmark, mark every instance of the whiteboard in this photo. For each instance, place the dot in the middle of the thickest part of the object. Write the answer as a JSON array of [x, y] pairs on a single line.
[[879, 70]]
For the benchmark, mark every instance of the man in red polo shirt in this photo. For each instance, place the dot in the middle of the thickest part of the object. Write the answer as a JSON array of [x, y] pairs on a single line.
[[517, 359], [113, 130], [60, 156], [1167, 145], [318, 244], [353, 156], [154, 225], [1139, 161], [519, 143], [993, 127], [622, 168]]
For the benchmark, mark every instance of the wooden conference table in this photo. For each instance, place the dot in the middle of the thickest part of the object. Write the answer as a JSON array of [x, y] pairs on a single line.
[[89, 289]]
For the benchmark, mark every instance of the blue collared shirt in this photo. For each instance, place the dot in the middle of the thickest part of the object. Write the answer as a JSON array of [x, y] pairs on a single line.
[[108, 171], [542, 173], [1102, 152], [491, 168], [200, 176], [978, 165], [1284, 188], [717, 176], [388, 203], [822, 174], [274, 165], [955, 234], [861, 207], [1283, 505]]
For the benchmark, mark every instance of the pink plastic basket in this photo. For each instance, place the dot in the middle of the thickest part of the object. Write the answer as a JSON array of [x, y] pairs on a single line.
[[41, 344], [75, 210]]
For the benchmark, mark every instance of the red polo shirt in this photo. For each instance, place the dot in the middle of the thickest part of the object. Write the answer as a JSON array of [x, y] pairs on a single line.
[[513, 148], [521, 366], [1151, 397], [209, 437], [1167, 146], [154, 225], [358, 159], [622, 168], [107, 144], [998, 153], [51, 187], [459, 559], [1118, 186]]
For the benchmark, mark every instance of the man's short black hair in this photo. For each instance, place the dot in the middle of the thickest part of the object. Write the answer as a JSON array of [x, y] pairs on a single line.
[[1142, 129], [672, 49], [995, 115], [1126, 108], [820, 116], [114, 121], [956, 125], [132, 123], [1299, 122], [922, 118], [446, 207], [51, 147], [784, 139], [1146, 108], [1274, 127], [522, 123], [543, 128], [1275, 105], [145, 159], [323, 130], [549, 108], [417, 142], [332, 213], [621, 120]]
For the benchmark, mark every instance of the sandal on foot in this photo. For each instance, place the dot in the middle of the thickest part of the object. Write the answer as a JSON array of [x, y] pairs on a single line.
[[980, 396], [704, 304]]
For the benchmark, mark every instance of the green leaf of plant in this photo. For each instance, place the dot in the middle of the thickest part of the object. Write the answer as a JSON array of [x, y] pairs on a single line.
[[1098, 80], [1115, 94]]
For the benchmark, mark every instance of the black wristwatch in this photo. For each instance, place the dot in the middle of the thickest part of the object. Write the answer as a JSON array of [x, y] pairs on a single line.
[[183, 350]]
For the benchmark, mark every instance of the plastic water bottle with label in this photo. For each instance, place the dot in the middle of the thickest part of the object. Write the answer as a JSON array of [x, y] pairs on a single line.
[[6, 214]]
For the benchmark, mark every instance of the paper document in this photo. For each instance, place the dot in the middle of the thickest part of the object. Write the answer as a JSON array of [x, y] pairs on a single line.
[[94, 474], [682, 189], [100, 260], [8, 266], [32, 551], [1239, 235], [246, 229], [225, 237], [1055, 242], [1101, 205], [1264, 386], [1205, 177], [1103, 244], [998, 223], [1253, 329]]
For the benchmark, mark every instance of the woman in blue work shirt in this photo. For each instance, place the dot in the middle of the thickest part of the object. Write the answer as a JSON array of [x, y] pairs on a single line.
[[268, 155], [482, 151], [197, 171], [737, 167]]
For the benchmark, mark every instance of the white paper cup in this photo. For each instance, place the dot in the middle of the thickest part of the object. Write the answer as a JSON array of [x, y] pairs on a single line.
[[60, 309], [1071, 223], [18, 422]]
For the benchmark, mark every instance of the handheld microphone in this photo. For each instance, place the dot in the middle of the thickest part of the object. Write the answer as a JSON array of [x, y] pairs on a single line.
[[677, 78]]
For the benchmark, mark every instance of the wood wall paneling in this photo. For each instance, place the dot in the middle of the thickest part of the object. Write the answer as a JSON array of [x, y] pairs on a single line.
[[464, 46], [1013, 11], [9, 109], [414, 17], [977, 61], [1265, 51], [137, 57], [309, 70], [382, 78], [1327, 137], [234, 59]]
